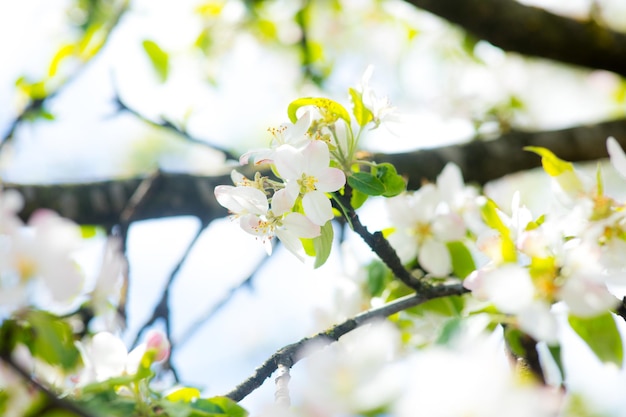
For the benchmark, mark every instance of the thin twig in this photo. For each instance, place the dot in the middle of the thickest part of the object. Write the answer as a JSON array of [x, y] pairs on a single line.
[[379, 245], [199, 322], [162, 308], [136, 202], [166, 124], [291, 353]]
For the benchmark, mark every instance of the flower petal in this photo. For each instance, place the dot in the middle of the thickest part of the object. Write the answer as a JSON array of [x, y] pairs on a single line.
[[616, 155], [283, 200], [316, 158], [242, 200], [289, 162], [317, 207], [301, 226], [330, 179], [434, 257]]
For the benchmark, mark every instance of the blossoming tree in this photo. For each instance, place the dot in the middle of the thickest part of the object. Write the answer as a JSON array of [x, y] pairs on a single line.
[[463, 307]]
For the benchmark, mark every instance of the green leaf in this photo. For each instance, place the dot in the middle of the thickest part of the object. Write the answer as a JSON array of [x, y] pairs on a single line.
[[184, 394], [555, 352], [329, 108], [89, 230], [366, 183], [513, 337], [218, 406], [361, 113], [551, 163], [451, 306], [394, 184], [323, 244], [377, 273], [158, 58], [462, 260], [357, 198], [53, 341], [489, 213], [563, 171], [309, 246], [601, 335], [450, 329]]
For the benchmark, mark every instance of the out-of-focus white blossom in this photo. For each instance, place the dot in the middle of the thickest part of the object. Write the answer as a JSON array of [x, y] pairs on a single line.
[[426, 220]]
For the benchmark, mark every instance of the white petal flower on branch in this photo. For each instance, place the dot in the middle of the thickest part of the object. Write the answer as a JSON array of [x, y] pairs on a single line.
[[307, 173]]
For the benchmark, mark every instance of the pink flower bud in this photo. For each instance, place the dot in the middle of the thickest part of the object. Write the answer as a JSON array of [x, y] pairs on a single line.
[[157, 340]]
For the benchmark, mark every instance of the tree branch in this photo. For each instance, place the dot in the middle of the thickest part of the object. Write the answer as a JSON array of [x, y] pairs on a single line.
[[101, 203], [291, 353], [378, 244], [166, 124], [535, 32]]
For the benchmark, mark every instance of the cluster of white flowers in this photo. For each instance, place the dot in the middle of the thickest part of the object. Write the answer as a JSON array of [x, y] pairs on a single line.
[[37, 261], [427, 220], [369, 372], [295, 207], [572, 258], [36, 258]]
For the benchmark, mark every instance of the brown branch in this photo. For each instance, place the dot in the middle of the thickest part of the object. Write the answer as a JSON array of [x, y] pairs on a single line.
[[379, 245], [291, 353], [484, 161], [101, 203], [535, 32]]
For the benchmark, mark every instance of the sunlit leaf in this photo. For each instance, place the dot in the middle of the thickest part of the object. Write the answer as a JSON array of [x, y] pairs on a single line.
[[158, 58], [357, 198], [218, 406], [323, 244], [92, 41], [551, 163], [562, 171], [329, 107], [361, 113], [63, 52], [185, 394], [601, 335]]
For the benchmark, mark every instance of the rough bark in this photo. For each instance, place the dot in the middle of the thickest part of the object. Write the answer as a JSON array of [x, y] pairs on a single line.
[[535, 32]]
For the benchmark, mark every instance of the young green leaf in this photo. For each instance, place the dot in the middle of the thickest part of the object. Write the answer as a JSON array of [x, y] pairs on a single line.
[[562, 171], [366, 183], [218, 406], [323, 244], [357, 198], [377, 273], [394, 184], [158, 58], [601, 335], [328, 107], [361, 113]]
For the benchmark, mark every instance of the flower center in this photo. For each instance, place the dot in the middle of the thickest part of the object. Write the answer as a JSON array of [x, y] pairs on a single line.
[[307, 183]]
